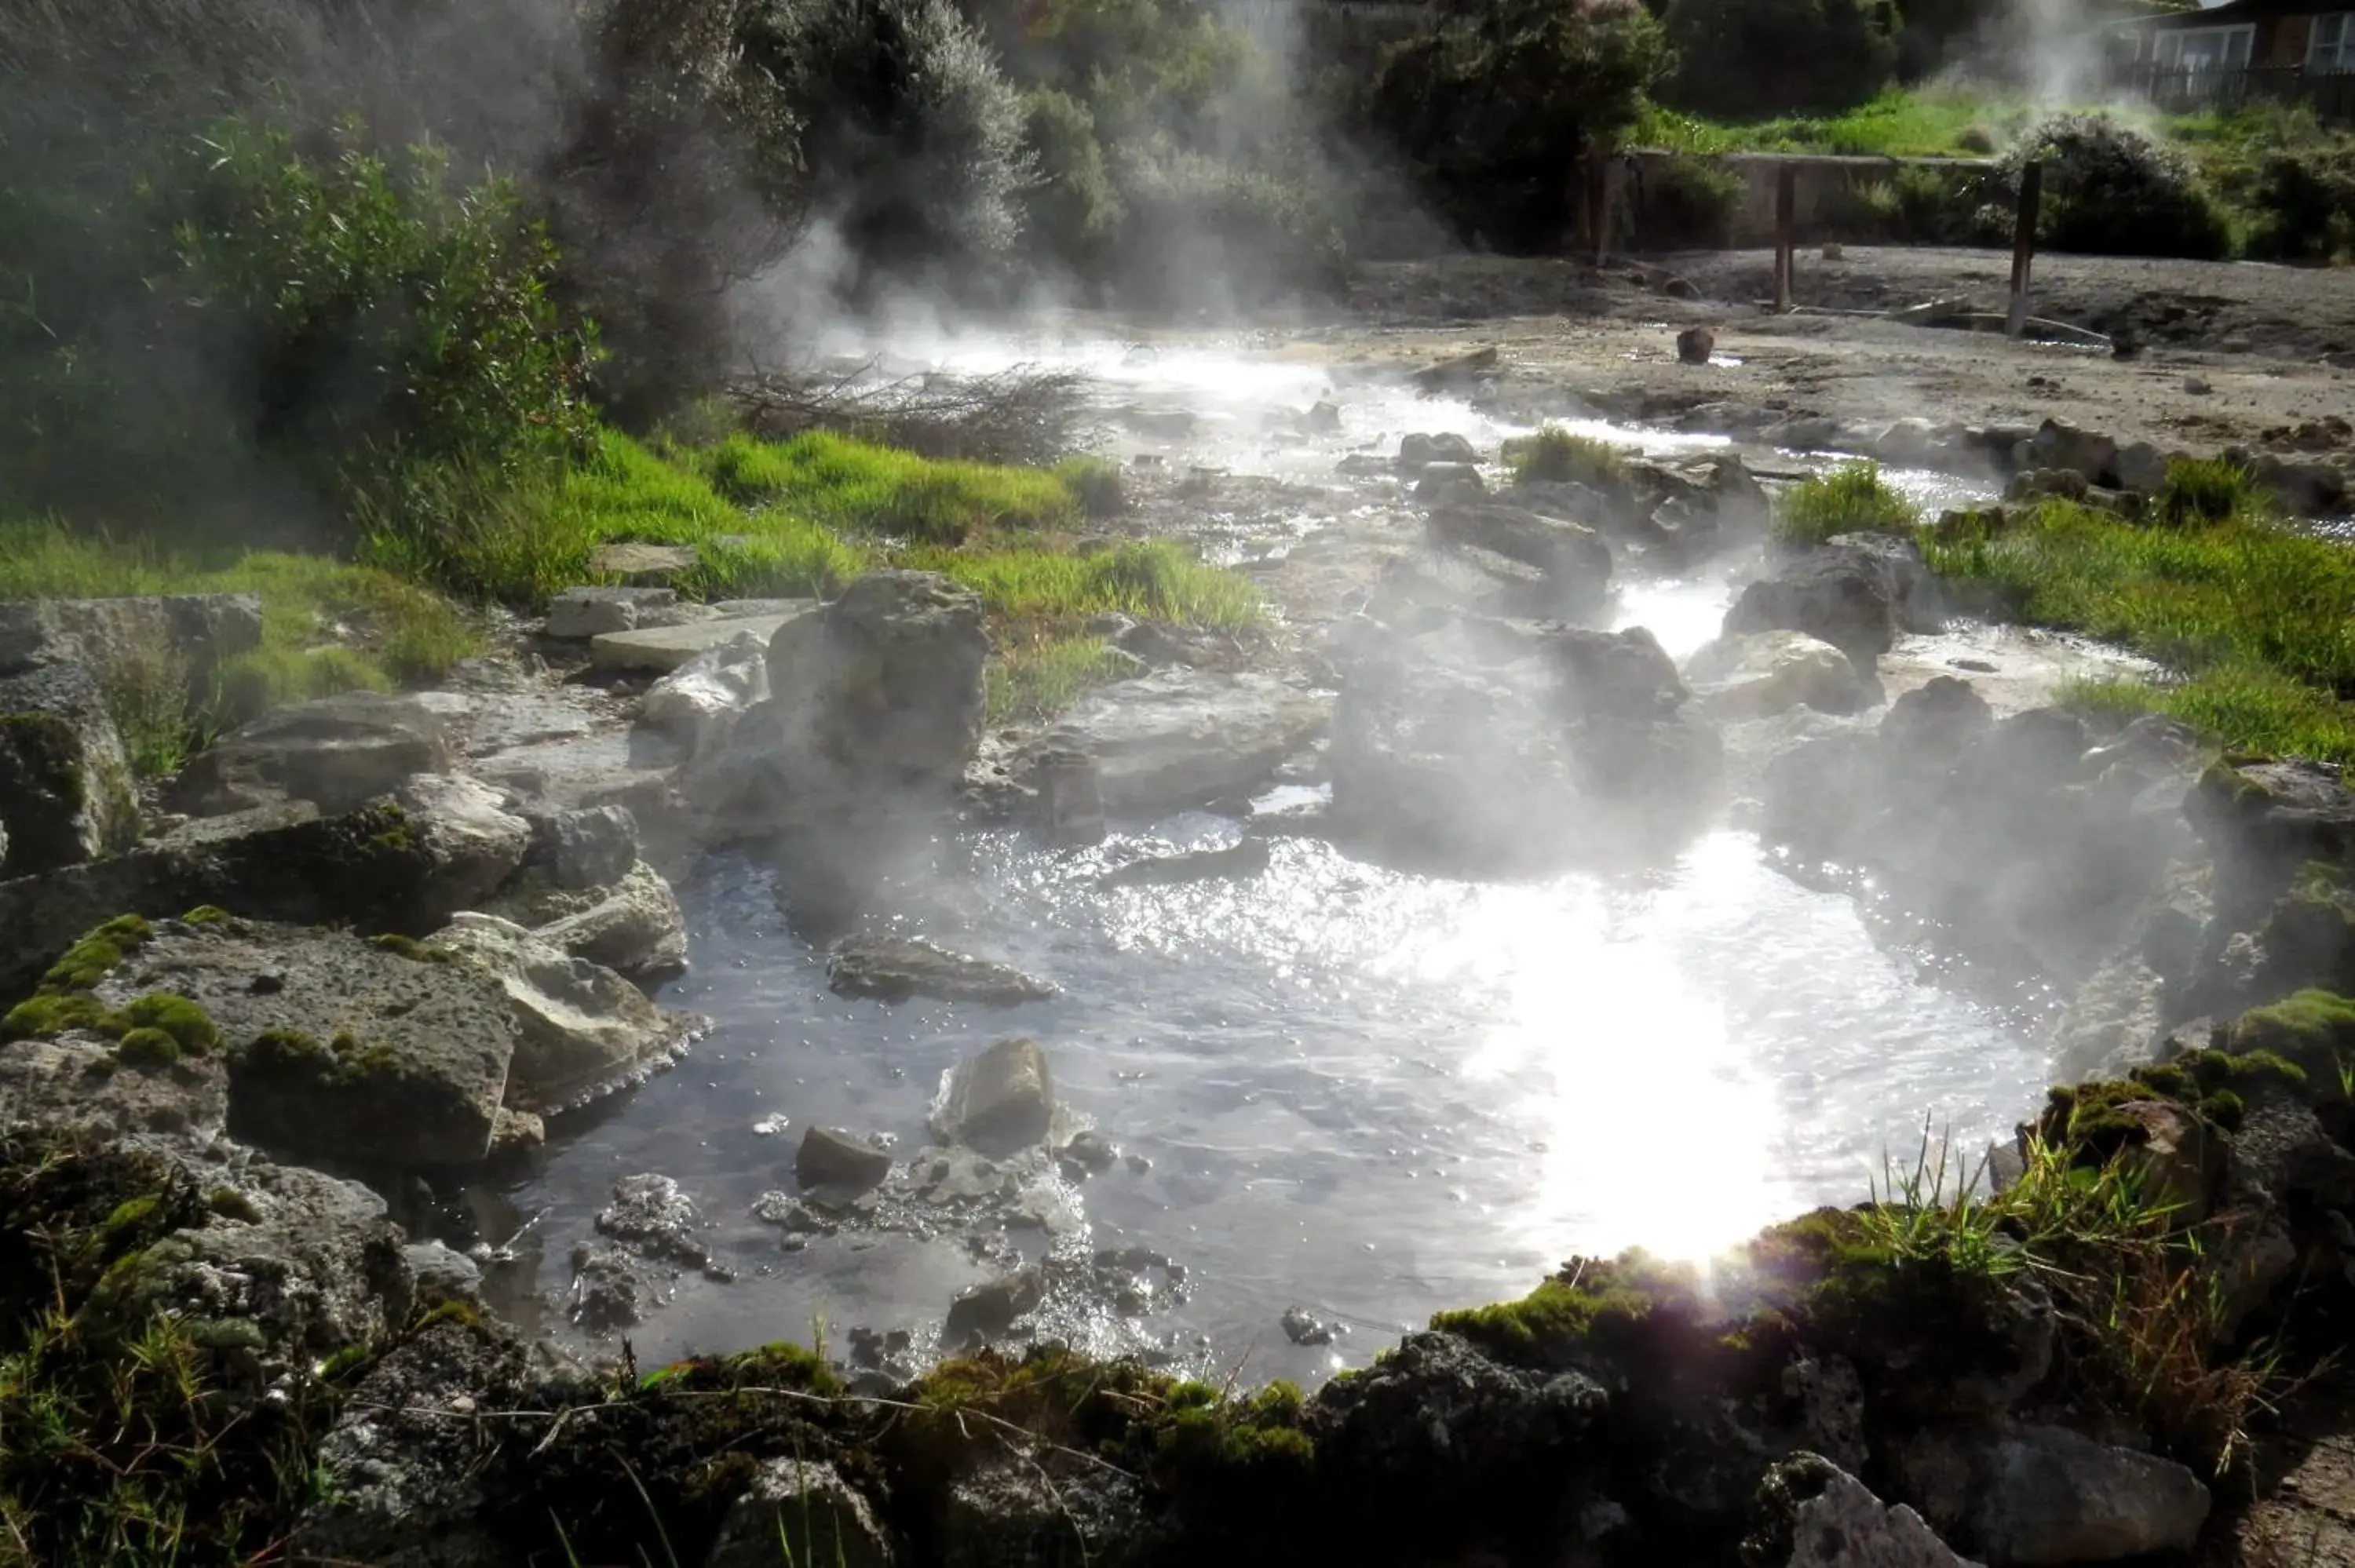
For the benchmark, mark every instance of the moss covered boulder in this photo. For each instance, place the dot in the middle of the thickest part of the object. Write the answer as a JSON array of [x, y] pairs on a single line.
[[65, 783], [336, 1046]]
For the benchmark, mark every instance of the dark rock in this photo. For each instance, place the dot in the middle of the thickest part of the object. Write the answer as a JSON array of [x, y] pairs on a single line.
[[1302, 1328], [65, 784], [987, 1311], [612, 1289], [442, 1275], [1695, 345], [1928, 727], [358, 1052], [893, 969], [1245, 857], [804, 1513], [2283, 812], [1451, 483], [1089, 1153], [1322, 419], [1015, 1510], [1460, 374], [1855, 594], [999, 1101], [2058, 444], [1437, 1417], [831, 1157], [652, 1217], [1574, 556], [1417, 452], [334, 752], [2048, 485], [2046, 1495]]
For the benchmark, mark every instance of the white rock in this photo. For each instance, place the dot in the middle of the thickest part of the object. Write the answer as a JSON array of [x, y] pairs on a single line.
[[698, 703], [1760, 673]]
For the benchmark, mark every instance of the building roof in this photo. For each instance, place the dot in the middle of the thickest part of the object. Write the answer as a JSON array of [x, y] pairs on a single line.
[[2234, 11]]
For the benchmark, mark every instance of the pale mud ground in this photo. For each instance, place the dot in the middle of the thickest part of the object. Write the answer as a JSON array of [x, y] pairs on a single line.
[[2257, 336]]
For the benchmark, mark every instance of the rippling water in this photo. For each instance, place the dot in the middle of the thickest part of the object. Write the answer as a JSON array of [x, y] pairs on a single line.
[[1370, 1093]]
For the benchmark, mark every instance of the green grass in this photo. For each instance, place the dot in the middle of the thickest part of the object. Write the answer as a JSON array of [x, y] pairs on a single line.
[[2256, 621], [1850, 499], [1900, 123], [1554, 456], [1152, 580], [859, 488], [1039, 676]]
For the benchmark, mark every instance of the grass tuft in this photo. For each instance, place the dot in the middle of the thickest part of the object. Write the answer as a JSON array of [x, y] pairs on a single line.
[[1038, 677], [1850, 499], [1554, 456]]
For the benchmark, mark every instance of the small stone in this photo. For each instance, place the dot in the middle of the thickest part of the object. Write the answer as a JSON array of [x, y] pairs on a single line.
[[650, 1214], [1831, 250], [578, 614], [1695, 345], [643, 565], [2198, 385], [999, 1101], [1323, 419], [1091, 1153], [1302, 1328], [1138, 1164], [844, 1161], [893, 969]]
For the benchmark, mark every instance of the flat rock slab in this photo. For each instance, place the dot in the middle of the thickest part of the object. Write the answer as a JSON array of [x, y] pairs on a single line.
[[893, 969], [1183, 737], [666, 648]]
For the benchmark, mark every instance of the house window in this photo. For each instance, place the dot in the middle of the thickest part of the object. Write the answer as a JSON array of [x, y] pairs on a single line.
[[2204, 48], [2330, 45]]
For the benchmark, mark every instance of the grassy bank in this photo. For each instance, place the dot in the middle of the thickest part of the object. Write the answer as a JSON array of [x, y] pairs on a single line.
[[765, 519], [1920, 123], [2255, 620]]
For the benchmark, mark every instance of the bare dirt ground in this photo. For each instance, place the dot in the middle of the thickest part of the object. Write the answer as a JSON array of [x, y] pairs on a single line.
[[2304, 1514], [2230, 351]]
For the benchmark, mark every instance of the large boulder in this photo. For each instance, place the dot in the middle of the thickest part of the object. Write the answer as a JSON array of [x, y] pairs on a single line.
[[336, 752], [65, 783], [169, 639], [372, 1052], [2058, 444], [1182, 737], [1769, 672], [1814, 1514], [464, 825], [1573, 562], [1496, 745], [582, 1029], [883, 688], [1855, 592], [2046, 1495], [999, 1101], [633, 926], [379, 869], [79, 1083], [699, 704]]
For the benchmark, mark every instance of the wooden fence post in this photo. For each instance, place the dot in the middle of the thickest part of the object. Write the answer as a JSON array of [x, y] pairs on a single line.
[[2023, 246], [1786, 223]]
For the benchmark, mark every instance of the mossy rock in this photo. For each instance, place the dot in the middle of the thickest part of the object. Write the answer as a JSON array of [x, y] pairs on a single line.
[[46, 1017], [100, 951], [2084, 1120], [147, 1048], [2312, 1031], [176, 1016]]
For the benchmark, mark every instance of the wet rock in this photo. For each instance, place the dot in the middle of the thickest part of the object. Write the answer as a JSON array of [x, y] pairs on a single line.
[[582, 1029], [635, 927], [334, 752], [1695, 345], [79, 1083], [805, 1512], [1493, 744], [699, 704], [2046, 1495], [65, 783], [463, 825], [404, 1482], [1017, 1509], [1450, 483], [2281, 1155], [577, 614], [661, 650], [2058, 444], [1180, 737], [893, 969], [1813, 1514], [986, 1311], [1245, 857], [1932, 724], [843, 1161], [651, 1216], [790, 1215], [612, 1289], [1572, 555], [999, 1101], [354, 1052], [1855, 593], [1417, 452], [442, 1275], [1768, 672], [1089, 1153], [1302, 1328]]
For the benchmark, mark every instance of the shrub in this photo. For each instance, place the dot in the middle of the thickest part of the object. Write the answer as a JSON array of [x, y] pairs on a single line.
[[2110, 190], [2304, 204], [1489, 113], [1554, 456], [912, 137], [1751, 58], [1202, 232], [1072, 210], [1690, 202], [2210, 490]]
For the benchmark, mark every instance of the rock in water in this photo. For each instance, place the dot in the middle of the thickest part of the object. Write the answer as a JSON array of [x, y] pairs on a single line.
[[1812, 1514], [1182, 737], [581, 1028], [998, 1102], [336, 752], [651, 1216], [1695, 345], [987, 1310], [893, 969], [1855, 592], [65, 783], [1245, 857], [799, 1512], [884, 685], [1770, 671], [829, 1157]]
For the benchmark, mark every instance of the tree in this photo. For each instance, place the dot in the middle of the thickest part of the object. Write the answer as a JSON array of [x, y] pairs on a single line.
[[1751, 59]]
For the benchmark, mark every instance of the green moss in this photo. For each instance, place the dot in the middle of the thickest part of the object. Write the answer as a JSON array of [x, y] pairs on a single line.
[[176, 1016], [410, 947], [345, 1363], [88, 962], [204, 915], [1597, 1305], [46, 1017], [282, 1050], [462, 1313], [232, 1205], [133, 1215], [2312, 1031], [147, 1048]]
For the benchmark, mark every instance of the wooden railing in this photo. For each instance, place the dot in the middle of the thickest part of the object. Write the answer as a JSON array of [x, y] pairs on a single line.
[[2172, 89]]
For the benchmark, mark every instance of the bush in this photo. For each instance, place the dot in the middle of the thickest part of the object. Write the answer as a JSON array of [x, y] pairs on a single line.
[[1203, 231], [1689, 203], [912, 137], [2304, 203], [1751, 58], [2111, 190], [1072, 212], [1490, 113]]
